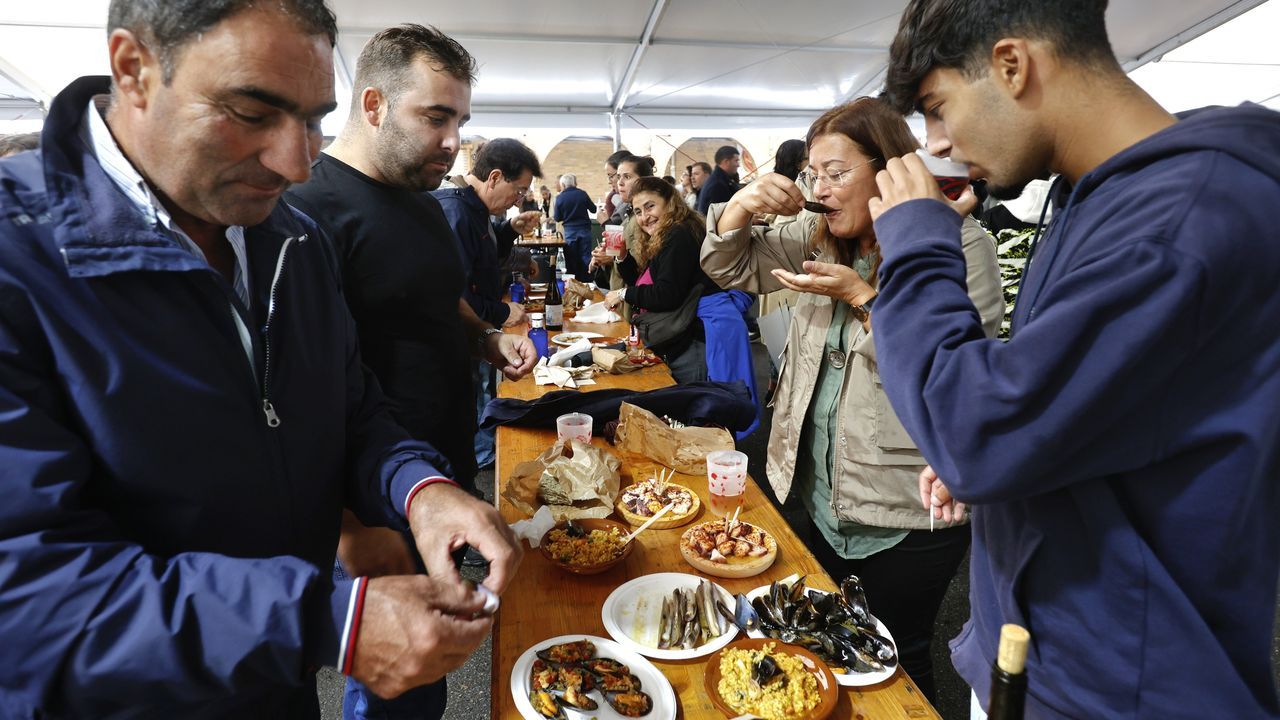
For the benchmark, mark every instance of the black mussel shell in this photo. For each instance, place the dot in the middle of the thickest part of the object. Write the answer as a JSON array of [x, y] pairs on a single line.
[[606, 666], [630, 704], [570, 652], [544, 677], [619, 683], [765, 670], [546, 704], [577, 699]]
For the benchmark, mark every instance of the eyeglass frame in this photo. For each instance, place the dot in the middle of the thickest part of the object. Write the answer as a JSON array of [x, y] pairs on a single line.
[[833, 180]]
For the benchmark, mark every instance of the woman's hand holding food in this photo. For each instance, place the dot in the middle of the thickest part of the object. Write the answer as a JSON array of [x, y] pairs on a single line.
[[771, 194], [937, 499], [831, 279]]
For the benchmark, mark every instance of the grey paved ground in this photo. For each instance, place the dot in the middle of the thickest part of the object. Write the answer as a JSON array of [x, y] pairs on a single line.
[[469, 687]]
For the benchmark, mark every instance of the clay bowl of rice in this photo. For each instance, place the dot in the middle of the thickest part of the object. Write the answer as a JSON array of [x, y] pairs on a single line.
[[771, 680], [587, 546]]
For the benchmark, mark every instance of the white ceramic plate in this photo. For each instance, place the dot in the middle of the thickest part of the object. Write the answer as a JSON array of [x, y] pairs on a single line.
[[631, 613], [652, 681], [848, 679], [569, 338]]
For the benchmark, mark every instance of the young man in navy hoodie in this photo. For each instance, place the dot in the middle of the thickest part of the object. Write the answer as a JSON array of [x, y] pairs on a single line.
[[1122, 450]]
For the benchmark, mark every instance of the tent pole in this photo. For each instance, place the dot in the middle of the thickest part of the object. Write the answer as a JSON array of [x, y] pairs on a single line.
[[615, 123]]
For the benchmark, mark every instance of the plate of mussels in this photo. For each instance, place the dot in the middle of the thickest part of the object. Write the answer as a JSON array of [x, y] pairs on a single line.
[[838, 627], [575, 677]]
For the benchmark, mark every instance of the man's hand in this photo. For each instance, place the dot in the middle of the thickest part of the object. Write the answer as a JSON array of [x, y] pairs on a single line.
[[831, 279], [906, 178], [525, 222], [517, 315], [444, 518], [937, 500], [515, 355], [771, 193], [372, 552], [414, 630]]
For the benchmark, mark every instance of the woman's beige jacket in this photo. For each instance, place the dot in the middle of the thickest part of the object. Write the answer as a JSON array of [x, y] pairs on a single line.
[[875, 481]]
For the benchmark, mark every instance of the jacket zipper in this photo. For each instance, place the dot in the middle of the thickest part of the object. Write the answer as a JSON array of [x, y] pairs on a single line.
[[273, 419]]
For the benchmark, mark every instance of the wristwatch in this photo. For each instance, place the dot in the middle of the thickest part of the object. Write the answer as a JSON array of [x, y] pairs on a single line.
[[863, 311], [485, 336]]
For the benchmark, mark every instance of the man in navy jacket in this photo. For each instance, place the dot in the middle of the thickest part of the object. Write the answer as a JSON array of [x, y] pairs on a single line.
[[183, 410], [723, 182], [1122, 450]]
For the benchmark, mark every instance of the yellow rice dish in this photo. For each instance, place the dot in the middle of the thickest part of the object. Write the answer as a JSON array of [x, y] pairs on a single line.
[[597, 546], [792, 696]]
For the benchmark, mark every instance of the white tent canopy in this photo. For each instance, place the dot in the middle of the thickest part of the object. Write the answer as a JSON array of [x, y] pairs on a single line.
[[581, 67]]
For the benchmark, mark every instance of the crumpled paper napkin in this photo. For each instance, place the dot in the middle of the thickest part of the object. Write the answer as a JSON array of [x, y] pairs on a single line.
[[565, 377], [596, 313], [535, 527], [562, 358]]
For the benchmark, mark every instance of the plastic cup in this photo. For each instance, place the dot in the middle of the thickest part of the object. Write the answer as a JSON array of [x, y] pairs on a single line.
[[726, 480], [613, 240], [952, 177], [575, 426]]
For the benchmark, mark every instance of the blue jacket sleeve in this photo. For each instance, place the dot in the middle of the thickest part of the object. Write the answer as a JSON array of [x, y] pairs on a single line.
[[494, 312], [90, 620], [1004, 421]]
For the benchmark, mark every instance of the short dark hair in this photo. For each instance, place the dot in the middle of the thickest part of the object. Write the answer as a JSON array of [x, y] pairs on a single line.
[[959, 34], [616, 159], [790, 155], [706, 166], [166, 26], [725, 152], [385, 60], [14, 144], [508, 156]]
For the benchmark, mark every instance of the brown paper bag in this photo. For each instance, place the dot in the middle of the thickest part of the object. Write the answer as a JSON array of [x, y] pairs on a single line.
[[583, 486], [612, 361], [684, 449], [575, 293]]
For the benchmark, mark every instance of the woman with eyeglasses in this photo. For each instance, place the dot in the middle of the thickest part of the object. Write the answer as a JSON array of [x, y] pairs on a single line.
[[835, 441]]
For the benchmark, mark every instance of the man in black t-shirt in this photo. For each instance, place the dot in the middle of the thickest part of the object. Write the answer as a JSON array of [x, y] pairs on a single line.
[[403, 277]]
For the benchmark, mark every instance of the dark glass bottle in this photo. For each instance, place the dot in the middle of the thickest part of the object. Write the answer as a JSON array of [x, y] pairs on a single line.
[[1008, 675], [554, 304]]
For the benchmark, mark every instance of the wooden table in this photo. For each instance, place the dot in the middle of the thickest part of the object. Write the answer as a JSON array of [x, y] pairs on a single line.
[[544, 601]]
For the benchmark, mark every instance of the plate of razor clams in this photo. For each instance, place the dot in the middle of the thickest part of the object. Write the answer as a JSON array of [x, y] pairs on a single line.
[[575, 677]]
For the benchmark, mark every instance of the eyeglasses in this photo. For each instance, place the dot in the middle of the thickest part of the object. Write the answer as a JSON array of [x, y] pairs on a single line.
[[612, 176], [836, 179]]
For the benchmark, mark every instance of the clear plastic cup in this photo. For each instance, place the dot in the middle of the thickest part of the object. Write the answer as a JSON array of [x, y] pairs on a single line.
[[952, 177], [576, 426], [613, 240], [726, 481]]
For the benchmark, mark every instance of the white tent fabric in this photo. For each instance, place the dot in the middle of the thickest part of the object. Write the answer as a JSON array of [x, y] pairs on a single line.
[[599, 68]]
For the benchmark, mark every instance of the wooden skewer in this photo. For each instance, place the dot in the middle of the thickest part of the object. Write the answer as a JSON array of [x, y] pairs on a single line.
[[647, 523]]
